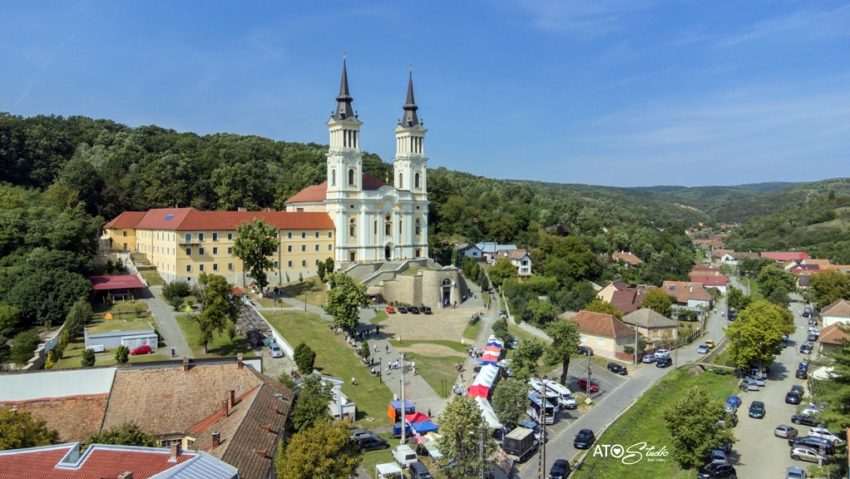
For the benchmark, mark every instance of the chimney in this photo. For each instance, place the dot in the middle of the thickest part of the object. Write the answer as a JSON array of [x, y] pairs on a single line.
[[267, 428], [125, 475], [185, 363], [239, 360], [231, 400], [262, 453], [176, 450], [216, 439]]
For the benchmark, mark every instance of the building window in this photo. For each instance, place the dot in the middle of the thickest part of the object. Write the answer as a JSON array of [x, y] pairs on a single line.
[[330, 247], [351, 229], [230, 250], [200, 236], [201, 251], [188, 251], [125, 233], [317, 234], [333, 177], [215, 236], [303, 235], [230, 266], [215, 266], [400, 181], [289, 235], [330, 234], [188, 268], [399, 226], [289, 263], [416, 181], [275, 265], [303, 263], [229, 236], [303, 247], [289, 248], [351, 177], [418, 227], [201, 268], [317, 247], [352, 256], [388, 229], [215, 251], [188, 237], [418, 253]]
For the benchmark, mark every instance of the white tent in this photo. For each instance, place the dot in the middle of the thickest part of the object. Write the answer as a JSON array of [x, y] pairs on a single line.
[[487, 376], [488, 414], [389, 471]]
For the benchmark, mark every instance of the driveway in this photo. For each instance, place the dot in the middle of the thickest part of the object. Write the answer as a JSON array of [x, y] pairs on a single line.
[[166, 324]]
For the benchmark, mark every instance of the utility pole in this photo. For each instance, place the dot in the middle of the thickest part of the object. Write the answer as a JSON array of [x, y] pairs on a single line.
[[403, 405], [634, 359], [481, 449], [541, 463]]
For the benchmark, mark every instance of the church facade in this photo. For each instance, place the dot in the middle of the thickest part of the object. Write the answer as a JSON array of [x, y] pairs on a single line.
[[373, 221]]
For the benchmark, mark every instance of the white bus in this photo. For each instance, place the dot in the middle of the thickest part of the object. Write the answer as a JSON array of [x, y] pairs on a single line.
[[541, 409], [565, 396]]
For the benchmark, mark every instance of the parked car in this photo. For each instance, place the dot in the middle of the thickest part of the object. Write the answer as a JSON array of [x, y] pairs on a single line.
[[702, 349], [648, 358], [785, 431], [759, 381], [816, 443], [143, 349], [801, 373], [808, 454], [662, 353], [426, 309], [806, 348], [709, 343], [792, 397], [734, 400], [748, 384], [718, 455], [805, 419], [560, 469], [585, 350], [593, 387], [663, 362], [389, 310], [717, 470], [825, 433], [584, 439], [418, 470], [757, 410], [618, 368], [275, 350], [812, 409], [371, 443], [813, 336], [404, 455], [413, 310], [402, 310], [795, 473], [798, 389], [359, 434]]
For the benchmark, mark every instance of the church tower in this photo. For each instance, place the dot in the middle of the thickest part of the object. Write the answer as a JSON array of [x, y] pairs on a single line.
[[345, 162], [409, 163]]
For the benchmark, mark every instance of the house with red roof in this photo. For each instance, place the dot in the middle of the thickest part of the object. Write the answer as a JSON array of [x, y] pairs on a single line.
[[784, 256], [604, 333], [688, 295], [627, 258], [622, 296], [710, 278]]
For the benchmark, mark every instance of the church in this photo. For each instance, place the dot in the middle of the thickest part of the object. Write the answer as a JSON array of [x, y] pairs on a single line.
[[374, 221]]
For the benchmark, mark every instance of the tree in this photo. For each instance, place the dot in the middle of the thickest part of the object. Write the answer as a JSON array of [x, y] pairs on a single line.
[[696, 424], [462, 431], [501, 271], [304, 358], [329, 265], [365, 353], [658, 301], [87, 360], [837, 396], [737, 299], [126, 434], [175, 290], [775, 283], [18, 429], [320, 271], [565, 340], [539, 311], [500, 330], [244, 184], [599, 306], [756, 331], [311, 403], [524, 361], [255, 243], [827, 287], [219, 307], [78, 317], [509, 401], [10, 317], [345, 299], [482, 280], [323, 450], [122, 355], [23, 346]]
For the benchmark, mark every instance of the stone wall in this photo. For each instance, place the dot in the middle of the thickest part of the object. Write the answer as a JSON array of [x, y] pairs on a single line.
[[425, 287]]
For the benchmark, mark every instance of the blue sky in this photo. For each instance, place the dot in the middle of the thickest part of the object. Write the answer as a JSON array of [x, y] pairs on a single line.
[[611, 92]]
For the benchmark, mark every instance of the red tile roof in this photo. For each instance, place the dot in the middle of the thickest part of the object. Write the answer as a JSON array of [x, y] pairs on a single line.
[[710, 279], [838, 309], [115, 282], [785, 256], [189, 219], [835, 333], [318, 193], [73, 417], [127, 219], [682, 291], [626, 258], [601, 324], [627, 300]]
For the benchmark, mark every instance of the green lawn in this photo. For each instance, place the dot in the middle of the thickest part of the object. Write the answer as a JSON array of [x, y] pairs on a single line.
[[98, 327], [485, 296], [380, 316], [221, 345], [406, 343], [472, 331], [438, 372], [271, 302], [644, 421], [74, 351], [315, 291], [336, 358], [152, 277]]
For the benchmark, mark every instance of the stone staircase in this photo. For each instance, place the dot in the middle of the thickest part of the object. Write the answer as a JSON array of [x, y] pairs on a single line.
[[372, 273]]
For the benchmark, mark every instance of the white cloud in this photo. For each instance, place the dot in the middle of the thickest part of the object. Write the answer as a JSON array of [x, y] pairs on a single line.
[[581, 18]]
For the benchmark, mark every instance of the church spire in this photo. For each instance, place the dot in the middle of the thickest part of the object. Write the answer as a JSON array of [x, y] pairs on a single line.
[[343, 108], [410, 119]]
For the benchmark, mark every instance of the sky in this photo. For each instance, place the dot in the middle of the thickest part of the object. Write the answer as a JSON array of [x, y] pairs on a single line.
[[607, 92]]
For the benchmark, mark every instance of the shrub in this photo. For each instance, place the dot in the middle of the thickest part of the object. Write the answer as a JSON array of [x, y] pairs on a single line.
[[304, 358], [175, 290], [87, 359], [23, 346], [122, 354]]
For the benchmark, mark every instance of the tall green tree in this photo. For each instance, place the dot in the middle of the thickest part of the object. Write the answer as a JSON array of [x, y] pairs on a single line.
[[125, 434], [658, 301], [525, 357], [311, 403], [78, 317], [255, 244], [322, 450], [830, 286], [304, 358], [757, 330], [18, 429], [501, 271], [565, 341], [10, 317], [737, 299], [463, 431], [219, 306], [244, 184], [509, 401], [695, 427], [345, 299], [775, 284]]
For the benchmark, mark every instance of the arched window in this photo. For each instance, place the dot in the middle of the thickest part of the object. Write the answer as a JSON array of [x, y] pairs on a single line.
[[400, 181], [352, 228], [333, 177], [388, 229], [418, 227], [350, 177], [416, 180]]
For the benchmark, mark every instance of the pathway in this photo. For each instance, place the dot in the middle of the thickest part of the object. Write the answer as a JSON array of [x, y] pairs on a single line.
[[166, 322]]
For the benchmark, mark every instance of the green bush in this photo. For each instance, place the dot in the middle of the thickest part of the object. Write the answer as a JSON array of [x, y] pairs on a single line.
[[23, 346], [304, 358], [175, 290], [122, 354], [87, 359]]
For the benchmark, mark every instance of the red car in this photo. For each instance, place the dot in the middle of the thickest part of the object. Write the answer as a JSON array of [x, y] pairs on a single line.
[[390, 310], [582, 384], [143, 349]]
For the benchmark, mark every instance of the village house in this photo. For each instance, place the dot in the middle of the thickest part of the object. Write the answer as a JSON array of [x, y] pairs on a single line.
[[520, 259], [710, 280], [833, 337], [623, 297], [836, 313], [604, 333], [784, 256], [653, 326], [627, 258], [688, 295], [490, 249], [466, 250]]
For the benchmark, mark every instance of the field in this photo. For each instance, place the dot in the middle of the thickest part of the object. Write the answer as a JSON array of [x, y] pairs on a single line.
[[435, 361], [74, 351], [152, 277], [221, 344], [336, 358], [644, 421], [311, 288]]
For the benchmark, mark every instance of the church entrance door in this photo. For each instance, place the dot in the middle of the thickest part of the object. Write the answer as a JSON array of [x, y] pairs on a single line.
[[388, 252]]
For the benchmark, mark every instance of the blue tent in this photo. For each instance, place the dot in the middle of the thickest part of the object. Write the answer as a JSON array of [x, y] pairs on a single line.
[[424, 427], [409, 408]]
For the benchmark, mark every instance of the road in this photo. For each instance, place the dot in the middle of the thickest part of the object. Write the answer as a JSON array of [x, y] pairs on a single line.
[[614, 402]]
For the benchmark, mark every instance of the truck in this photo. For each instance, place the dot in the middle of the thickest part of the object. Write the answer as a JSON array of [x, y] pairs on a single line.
[[565, 396], [404, 455], [519, 444]]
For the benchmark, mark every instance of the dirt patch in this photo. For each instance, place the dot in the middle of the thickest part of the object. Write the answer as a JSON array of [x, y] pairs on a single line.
[[434, 350], [443, 324]]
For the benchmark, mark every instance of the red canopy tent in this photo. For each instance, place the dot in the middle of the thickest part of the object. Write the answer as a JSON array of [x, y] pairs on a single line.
[[416, 417], [479, 390]]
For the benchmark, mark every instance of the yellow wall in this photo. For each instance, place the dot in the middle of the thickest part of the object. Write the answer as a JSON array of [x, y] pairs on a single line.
[[123, 239]]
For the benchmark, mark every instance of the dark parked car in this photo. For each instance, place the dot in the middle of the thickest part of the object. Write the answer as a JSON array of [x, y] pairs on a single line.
[[806, 348], [418, 470], [560, 469], [757, 410], [792, 397], [798, 389], [584, 439], [585, 350], [402, 310], [413, 310], [816, 443], [663, 362], [371, 443], [805, 419], [717, 470], [426, 309], [618, 368], [802, 374]]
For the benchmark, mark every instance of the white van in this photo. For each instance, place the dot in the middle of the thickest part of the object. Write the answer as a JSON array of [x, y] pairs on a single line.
[[404, 455], [565, 396]]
